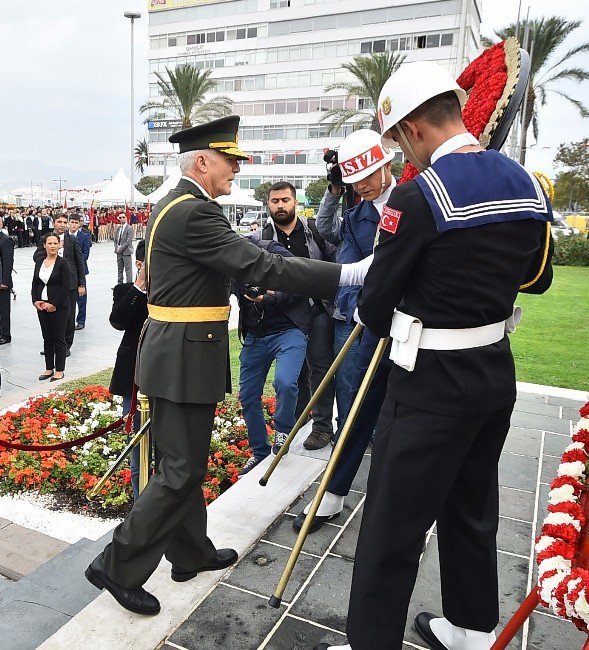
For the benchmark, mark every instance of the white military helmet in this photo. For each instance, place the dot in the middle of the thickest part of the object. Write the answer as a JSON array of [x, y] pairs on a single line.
[[360, 154], [409, 87]]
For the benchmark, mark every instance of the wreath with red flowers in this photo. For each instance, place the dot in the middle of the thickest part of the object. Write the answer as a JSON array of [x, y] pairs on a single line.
[[562, 547], [489, 81]]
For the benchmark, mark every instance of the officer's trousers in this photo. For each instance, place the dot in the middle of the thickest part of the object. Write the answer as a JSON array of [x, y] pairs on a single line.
[[170, 517], [428, 467]]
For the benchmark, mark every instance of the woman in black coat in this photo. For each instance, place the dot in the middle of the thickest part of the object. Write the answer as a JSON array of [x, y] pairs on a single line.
[[51, 282]]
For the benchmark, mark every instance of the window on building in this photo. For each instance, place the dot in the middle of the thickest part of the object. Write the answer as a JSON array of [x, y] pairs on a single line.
[[240, 33], [379, 46], [420, 41], [447, 39], [252, 32], [172, 41], [366, 48], [433, 40]]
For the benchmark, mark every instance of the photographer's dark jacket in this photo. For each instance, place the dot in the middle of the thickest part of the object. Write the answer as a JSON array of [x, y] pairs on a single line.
[[128, 314], [275, 313], [317, 248]]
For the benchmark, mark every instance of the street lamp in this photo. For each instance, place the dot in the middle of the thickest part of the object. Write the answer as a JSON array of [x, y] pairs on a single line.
[[132, 15]]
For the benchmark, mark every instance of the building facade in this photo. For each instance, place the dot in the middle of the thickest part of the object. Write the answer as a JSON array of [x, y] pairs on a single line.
[[275, 58]]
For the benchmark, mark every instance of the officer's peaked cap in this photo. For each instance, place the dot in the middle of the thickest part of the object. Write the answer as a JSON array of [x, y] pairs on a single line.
[[220, 135]]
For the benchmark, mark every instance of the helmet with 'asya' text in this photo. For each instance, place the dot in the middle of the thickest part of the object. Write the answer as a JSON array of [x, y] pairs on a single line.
[[409, 87], [360, 154]]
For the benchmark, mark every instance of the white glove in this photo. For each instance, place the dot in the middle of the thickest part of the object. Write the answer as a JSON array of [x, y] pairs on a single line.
[[355, 272], [357, 319]]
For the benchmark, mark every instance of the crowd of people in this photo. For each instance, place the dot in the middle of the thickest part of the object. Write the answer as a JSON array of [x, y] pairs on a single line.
[[27, 225]]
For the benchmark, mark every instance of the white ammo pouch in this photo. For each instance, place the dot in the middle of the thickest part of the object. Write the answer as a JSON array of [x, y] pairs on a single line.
[[408, 336]]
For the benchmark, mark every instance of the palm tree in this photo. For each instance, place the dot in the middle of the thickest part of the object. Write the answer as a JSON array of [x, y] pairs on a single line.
[[370, 74], [547, 34], [184, 96], [141, 155]]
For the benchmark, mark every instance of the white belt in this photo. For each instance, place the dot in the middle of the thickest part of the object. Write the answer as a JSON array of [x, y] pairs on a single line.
[[461, 339], [409, 336]]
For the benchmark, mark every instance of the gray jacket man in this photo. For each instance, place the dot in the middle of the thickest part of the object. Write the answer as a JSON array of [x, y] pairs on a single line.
[[124, 248]]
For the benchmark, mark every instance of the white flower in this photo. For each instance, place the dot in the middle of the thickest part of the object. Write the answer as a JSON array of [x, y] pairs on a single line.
[[87, 445], [582, 607], [575, 445], [548, 586], [544, 542], [569, 606], [557, 562], [556, 518], [83, 428], [575, 469], [105, 451], [561, 494], [583, 423]]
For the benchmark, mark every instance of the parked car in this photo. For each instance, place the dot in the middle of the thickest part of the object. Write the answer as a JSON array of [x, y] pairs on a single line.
[[560, 228], [253, 215]]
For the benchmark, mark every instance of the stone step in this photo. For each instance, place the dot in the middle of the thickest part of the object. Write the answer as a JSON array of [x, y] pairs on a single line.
[[48, 597], [23, 550]]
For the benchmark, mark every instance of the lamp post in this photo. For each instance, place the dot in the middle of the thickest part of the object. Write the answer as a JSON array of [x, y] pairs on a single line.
[[132, 15]]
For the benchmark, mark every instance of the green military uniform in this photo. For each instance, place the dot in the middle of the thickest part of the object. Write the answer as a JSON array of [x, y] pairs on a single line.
[[183, 367]]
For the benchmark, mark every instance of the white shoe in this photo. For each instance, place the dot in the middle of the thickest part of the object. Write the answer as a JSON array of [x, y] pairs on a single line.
[[330, 505], [460, 638]]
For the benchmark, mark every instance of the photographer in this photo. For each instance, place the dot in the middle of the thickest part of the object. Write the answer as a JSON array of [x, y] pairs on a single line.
[[275, 326], [365, 164]]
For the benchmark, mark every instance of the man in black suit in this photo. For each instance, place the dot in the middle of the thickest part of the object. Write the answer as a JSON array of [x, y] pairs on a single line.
[[182, 363], [6, 262], [71, 251]]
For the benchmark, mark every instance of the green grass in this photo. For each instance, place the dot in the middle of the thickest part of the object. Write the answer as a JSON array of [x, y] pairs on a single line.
[[551, 345]]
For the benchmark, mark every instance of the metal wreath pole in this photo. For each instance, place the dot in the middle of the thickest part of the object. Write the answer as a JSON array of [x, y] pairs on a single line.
[[276, 599], [316, 395]]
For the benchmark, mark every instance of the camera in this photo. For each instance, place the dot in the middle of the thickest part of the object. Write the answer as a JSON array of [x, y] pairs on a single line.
[[253, 292], [334, 173]]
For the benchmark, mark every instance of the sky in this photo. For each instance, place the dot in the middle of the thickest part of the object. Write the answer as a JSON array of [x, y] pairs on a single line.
[[65, 80]]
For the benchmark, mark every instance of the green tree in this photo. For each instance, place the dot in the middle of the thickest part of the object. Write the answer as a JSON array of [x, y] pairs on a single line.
[[149, 184], [370, 73], [548, 68], [397, 168], [315, 190], [184, 96], [571, 189], [261, 192], [141, 155]]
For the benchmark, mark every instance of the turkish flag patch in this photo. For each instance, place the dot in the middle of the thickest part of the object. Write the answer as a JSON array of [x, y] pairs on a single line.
[[390, 218]]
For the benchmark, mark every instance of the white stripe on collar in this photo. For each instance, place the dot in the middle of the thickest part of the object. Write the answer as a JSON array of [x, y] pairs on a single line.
[[456, 142]]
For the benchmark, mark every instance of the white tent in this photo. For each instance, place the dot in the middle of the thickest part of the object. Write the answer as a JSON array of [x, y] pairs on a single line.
[[169, 184], [237, 196], [119, 191]]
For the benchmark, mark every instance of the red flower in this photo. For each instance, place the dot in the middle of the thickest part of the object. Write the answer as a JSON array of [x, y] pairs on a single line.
[[584, 411]]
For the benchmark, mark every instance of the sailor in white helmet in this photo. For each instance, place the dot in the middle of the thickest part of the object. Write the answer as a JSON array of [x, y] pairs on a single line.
[[365, 164], [456, 244]]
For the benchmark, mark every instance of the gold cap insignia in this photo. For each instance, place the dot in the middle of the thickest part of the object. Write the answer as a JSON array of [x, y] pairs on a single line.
[[386, 105]]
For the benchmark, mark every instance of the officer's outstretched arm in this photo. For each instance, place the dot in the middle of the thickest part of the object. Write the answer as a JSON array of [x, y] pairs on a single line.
[[539, 276]]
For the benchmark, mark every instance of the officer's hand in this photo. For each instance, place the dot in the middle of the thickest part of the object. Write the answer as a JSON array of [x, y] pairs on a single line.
[[357, 317], [81, 291]]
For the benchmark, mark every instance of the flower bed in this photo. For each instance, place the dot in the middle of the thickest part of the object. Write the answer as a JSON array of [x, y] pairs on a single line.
[[564, 584], [68, 474]]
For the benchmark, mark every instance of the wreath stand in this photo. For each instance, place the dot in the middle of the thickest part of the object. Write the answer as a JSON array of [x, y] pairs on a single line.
[[532, 600]]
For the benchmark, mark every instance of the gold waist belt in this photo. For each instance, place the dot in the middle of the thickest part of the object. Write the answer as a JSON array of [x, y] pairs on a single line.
[[188, 314]]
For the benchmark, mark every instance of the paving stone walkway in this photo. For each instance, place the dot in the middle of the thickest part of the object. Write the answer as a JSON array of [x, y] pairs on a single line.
[[236, 615]]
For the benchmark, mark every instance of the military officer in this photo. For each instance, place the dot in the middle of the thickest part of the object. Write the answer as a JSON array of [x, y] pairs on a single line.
[[456, 245], [191, 253]]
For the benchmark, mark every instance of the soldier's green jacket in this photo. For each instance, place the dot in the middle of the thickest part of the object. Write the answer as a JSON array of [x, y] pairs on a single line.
[[194, 254]]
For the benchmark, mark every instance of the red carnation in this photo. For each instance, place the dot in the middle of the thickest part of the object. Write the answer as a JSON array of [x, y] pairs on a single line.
[[566, 532], [584, 411], [574, 455], [560, 481], [582, 435]]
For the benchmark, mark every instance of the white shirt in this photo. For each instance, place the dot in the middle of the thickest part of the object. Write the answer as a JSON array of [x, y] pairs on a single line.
[[44, 275], [60, 251], [381, 201]]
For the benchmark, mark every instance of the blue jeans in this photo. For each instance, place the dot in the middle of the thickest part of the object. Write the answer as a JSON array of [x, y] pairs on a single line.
[[135, 452], [256, 357], [344, 376]]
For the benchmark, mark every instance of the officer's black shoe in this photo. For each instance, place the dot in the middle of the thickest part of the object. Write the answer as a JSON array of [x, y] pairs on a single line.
[[135, 600], [318, 521], [225, 557], [423, 628], [4, 340], [321, 646], [68, 353]]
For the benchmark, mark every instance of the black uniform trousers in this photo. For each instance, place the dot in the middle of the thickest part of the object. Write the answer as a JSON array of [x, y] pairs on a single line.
[[5, 297], [53, 330], [428, 467], [170, 517], [70, 329]]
